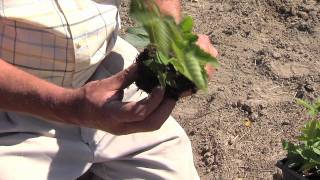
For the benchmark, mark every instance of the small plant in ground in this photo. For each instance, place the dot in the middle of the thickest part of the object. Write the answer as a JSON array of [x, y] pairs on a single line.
[[171, 57], [304, 157]]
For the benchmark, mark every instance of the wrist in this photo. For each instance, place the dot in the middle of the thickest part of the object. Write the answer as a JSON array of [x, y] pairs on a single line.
[[66, 105]]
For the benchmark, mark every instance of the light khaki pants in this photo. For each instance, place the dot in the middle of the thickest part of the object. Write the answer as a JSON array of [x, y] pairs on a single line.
[[33, 149]]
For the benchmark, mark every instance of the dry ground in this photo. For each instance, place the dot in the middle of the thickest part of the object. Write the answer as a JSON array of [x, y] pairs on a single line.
[[269, 51]]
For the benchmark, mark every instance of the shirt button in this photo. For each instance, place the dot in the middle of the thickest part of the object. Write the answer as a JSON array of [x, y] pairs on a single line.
[[78, 46]]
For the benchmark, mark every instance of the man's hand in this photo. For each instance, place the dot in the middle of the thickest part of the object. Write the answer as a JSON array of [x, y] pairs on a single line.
[[205, 44], [173, 8], [170, 8], [101, 106], [97, 104]]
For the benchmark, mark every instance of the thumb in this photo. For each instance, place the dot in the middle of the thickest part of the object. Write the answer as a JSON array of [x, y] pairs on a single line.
[[123, 78]]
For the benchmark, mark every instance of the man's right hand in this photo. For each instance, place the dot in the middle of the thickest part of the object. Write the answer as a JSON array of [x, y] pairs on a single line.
[[96, 105], [101, 107]]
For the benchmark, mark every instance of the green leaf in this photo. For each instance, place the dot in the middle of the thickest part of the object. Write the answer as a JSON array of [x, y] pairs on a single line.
[[317, 107], [175, 44], [310, 131], [316, 150], [141, 10], [308, 154], [194, 69], [149, 17], [186, 24], [177, 65], [138, 10], [190, 37], [162, 58], [288, 146], [137, 41], [312, 110], [174, 31], [159, 34], [204, 57], [181, 59], [138, 31]]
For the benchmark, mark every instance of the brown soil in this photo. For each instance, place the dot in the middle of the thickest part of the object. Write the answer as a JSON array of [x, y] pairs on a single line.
[[148, 79], [269, 51]]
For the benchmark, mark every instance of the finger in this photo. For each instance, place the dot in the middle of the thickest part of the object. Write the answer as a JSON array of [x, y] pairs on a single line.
[[171, 8], [155, 120], [209, 69], [205, 44], [137, 111], [213, 51], [123, 78], [203, 41], [116, 95]]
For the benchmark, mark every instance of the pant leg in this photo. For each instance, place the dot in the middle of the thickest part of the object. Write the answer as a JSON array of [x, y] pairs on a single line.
[[162, 154], [27, 156]]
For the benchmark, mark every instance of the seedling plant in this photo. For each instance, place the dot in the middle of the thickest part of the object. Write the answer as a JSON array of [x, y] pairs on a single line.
[[171, 58], [304, 157]]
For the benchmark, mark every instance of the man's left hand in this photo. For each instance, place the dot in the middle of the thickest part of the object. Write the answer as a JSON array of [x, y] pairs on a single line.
[[205, 44]]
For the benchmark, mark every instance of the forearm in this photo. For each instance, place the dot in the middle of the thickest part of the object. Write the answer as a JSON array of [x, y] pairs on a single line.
[[23, 92]]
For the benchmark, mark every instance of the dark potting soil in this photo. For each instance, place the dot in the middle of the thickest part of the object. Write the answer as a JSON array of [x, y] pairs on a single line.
[[148, 79], [293, 174]]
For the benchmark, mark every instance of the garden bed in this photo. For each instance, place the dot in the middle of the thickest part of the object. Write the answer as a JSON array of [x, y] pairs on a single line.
[[269, 54]]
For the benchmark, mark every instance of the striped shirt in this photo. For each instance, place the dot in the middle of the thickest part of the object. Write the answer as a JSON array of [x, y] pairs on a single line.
[[61, 41]]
